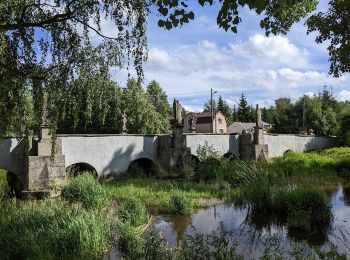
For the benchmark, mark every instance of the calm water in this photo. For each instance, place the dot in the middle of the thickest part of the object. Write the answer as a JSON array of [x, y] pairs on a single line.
[[251, 231]]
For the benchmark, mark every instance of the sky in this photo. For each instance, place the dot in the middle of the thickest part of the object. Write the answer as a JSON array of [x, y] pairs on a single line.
[[189, 61]]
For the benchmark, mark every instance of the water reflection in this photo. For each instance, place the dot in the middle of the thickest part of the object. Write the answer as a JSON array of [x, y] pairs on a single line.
[[250, 229]]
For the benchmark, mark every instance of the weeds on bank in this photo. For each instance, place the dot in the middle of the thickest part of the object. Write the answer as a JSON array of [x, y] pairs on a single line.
[[131, 210], [220, 244], [4, 188], [51, 230], [86, 190]]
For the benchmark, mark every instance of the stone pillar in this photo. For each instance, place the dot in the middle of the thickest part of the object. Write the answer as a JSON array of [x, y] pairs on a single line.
[[46, 171], [173, 153], [254, 148]]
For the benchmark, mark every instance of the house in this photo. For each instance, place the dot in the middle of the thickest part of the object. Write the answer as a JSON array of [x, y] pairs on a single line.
[[204, 122], [238, 127]]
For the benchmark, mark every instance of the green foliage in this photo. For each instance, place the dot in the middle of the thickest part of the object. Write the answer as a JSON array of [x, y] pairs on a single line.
[[87, 190], [4, 187], [225, 109], [243, 111], [132, 211], [324, 114], [50, 230], [332, 26], [130, 242], [206, 151], [159, 99], [180, 203], [142, 116], [298, 164]]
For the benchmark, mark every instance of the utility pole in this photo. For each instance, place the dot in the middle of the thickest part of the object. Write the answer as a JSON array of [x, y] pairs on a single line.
[[304, 115], [212, 109]]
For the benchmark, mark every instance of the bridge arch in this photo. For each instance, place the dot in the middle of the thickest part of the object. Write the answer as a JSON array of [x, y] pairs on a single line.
[[141, 166], [230, 156], [194, 161], [76, 169], [15, 183]]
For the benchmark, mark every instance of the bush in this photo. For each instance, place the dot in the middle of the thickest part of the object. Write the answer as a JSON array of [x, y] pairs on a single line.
[[209, 169], [132, 211], [299, 219], [86, 189], [4, 187], [180, 204], [50, 230], [130, 241]]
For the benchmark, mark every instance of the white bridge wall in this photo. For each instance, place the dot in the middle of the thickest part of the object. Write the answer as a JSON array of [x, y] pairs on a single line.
[[113, 153], [278, 144], [222, 143], [11, 155], [108, 153]]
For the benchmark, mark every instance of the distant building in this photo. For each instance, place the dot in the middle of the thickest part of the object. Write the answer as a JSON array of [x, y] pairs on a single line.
[[238, 127], [205, 124]]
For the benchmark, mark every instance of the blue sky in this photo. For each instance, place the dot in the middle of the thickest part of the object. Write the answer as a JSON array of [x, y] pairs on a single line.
[[188, 61]]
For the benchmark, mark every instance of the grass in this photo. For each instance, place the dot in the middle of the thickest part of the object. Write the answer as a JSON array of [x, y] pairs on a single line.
[[132, 211], [3, 182], [157, 193], [86, 190], [314, 162], [52, 230], [180, 203]]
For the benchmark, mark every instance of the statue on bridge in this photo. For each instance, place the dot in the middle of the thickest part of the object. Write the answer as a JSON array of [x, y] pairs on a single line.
[[124, 130], [192, 123], [177, 108], [258, 121]]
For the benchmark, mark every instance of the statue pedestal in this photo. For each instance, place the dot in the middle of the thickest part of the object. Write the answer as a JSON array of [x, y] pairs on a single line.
[[259, 136], [252, 146], [173, 154]]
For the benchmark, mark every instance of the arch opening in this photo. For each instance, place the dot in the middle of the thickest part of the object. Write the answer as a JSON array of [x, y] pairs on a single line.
[[142, 167], [80, 168], [230, 157], [287, 152], [194, 161], [11, 184]]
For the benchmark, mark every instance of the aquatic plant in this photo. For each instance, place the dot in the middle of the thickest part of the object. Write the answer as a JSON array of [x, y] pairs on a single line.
[[131, 210], [130, 243], [180, 203], [51, 230], [4, 187], [87, 190]]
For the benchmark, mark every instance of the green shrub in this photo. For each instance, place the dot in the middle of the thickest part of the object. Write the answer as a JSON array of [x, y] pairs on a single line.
[[180, 204], [299, 219], [130, 242], [50, 230], [132, 211], [4, 187], [208, 169], [86, 189]]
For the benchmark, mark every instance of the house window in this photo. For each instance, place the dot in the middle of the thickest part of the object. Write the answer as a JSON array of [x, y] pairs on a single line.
[[221, 131], [220, 121]]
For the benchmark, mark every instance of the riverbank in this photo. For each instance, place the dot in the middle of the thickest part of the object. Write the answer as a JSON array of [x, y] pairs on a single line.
[[83, 224]]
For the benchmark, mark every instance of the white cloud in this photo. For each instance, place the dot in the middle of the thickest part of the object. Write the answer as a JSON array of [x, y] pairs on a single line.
[[344, 95], [309, 94], [274, 48]]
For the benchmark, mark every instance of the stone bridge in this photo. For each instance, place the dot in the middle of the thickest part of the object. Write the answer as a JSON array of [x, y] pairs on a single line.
[[112, 154]]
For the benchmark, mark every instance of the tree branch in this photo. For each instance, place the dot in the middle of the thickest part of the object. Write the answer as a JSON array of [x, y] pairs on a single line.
[[55, 19], [94, 29]]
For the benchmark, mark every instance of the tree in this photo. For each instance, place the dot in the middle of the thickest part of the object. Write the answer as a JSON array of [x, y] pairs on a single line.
[[142, 116], [207, 106], [333, 27], [243, 112], [225, 109], [285, 119], [234, 113], [159, 98]]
